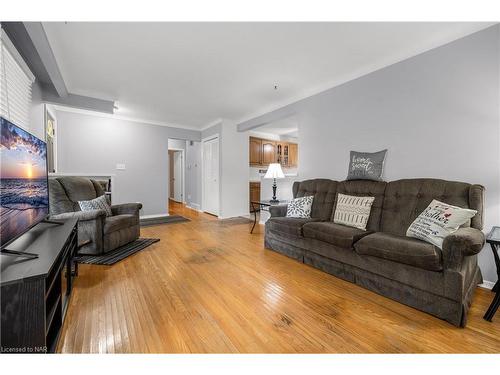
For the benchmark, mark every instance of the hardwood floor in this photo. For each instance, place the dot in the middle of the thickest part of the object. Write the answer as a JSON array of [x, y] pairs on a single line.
[[210, 287]]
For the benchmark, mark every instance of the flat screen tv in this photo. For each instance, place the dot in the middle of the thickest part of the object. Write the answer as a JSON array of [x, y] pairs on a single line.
[[24, 198]]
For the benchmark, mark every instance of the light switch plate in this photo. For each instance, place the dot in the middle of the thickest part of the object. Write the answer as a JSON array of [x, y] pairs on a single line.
[[120, 167]]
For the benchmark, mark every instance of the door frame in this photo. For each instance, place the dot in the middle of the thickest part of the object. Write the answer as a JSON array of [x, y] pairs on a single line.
[[183, 173], [203, 141]]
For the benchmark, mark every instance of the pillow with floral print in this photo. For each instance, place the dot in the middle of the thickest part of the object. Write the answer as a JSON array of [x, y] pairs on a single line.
[[300, 207]]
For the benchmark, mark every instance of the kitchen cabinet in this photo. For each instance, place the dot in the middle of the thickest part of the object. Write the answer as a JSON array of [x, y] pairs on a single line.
[[255, 149], [263, 152], [268, 152], [293, 155]]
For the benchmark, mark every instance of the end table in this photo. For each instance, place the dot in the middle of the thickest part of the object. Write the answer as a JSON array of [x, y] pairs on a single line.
[[493, 238], [260, 205]]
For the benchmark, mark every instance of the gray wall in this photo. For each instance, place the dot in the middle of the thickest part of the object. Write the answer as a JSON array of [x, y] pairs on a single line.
[[193, 175], [436, 113], [93, 144]]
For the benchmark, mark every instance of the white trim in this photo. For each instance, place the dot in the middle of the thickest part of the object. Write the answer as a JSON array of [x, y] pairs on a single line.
[[352, 76], [487, 284], [211, 123], [206, 139], [153, 216], [17, 56], [62, 108], [194, 206], [183, 156], [48, 110]]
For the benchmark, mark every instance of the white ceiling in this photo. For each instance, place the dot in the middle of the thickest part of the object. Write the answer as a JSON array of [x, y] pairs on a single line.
[[192, 74]]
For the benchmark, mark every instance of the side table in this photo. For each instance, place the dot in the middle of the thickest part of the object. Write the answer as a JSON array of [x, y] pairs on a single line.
[[262, 205], [493, 238]]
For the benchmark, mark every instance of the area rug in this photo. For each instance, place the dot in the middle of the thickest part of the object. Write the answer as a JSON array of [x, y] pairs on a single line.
[[163, 220], [118, 254]]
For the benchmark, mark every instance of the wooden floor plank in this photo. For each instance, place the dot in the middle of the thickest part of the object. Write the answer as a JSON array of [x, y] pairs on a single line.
[[209, 286]]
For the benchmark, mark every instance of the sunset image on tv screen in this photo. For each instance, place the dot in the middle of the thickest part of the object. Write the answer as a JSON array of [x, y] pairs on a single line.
[[23, 178]]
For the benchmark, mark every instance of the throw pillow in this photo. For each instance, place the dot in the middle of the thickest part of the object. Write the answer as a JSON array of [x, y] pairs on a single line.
[[366, 165], [300, 207], [437, 221], [99, 203], [353, 211]]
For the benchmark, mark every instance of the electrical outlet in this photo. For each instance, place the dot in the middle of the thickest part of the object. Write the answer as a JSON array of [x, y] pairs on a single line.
[[120, 167]]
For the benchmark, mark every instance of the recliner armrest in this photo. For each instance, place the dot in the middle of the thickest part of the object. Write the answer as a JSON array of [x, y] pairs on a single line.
[[80, 215], [464, 242], [126, 208], [278, 210]]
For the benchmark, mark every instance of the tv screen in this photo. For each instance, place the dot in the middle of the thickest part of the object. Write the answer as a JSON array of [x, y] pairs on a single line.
[[24, 199]]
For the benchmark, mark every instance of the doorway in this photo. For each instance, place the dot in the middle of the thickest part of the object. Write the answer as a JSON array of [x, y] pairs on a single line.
[[210, 178], [176, 175]]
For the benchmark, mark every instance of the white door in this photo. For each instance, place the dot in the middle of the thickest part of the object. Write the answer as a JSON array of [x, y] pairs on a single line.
[[178, 188], [211, 176]]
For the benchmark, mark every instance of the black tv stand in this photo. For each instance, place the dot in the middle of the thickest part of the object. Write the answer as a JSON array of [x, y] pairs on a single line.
[[35, 294], [47, 221]]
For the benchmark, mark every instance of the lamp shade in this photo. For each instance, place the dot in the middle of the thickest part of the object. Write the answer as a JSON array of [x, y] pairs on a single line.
[[274, 171]]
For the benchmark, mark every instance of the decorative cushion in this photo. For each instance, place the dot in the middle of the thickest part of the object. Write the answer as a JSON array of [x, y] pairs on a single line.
[[99, 203], [366, 165], [300, 207], [353, 211], [335, 234], [437, 221]]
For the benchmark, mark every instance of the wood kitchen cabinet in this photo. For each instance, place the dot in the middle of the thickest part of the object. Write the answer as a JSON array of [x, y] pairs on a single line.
[[263, 152], [293, 155], [255, 151], [268, 152], [254, 193]]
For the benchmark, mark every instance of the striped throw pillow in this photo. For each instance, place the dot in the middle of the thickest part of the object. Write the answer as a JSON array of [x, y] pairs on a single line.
[[99, 203], [353, 211]]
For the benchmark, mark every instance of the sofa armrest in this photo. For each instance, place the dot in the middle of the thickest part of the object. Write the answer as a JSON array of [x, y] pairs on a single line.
[[90, 228], [278, 210], [80, 215], [126, 208], [464, 242]]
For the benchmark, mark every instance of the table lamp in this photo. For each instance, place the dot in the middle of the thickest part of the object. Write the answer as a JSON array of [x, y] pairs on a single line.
[[274, 171]]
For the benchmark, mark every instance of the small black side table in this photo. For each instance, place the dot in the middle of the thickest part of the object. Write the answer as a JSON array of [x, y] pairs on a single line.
[[493, 238], [261, 206]]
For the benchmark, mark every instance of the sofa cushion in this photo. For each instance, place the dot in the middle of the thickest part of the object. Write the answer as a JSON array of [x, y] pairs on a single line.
[[365, 188], [335, 234], [117, 222], [401, 249], [352, 211], [99, 203], [59, 201], [405, 199], [78, 188], [300, 207], [366, 165], [324, 192], [288, 225]]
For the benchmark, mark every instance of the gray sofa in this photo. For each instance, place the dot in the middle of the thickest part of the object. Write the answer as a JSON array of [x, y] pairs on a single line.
[[382, 258], [104, 233]]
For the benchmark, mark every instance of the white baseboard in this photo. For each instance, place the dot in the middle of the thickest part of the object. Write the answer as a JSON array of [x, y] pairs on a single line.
[[487, 284], [153, 216], [194, 206]]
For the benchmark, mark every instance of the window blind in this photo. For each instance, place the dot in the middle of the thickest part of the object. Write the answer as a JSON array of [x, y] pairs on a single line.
[[15, 85]]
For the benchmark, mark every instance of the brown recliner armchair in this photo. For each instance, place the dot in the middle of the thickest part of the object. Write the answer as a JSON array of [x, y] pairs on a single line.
[[104, 233]]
